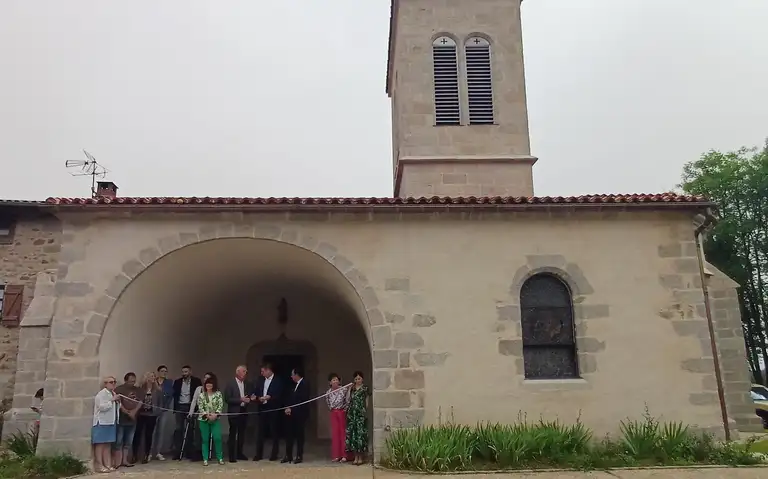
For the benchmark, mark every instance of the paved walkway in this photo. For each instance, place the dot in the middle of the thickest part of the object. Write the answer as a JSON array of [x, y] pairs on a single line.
[[347, 471]]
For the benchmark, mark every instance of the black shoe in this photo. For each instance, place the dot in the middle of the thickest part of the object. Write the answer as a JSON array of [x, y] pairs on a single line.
[[257, 459], [242, 457], [298, 460], [285, 460], [232, 460], [145, 460], [273, 458]]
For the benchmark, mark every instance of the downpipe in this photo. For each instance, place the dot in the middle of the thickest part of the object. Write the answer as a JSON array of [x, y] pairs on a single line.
[[708, 222]]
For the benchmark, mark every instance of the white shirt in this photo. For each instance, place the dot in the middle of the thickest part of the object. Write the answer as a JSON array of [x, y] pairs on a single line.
[[267, 382], [195, 397], [297, 384], [104, 408], [240, 387], [185, 395]]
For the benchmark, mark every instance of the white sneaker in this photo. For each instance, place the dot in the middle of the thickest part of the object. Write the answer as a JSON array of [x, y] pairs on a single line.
[[160, 457]]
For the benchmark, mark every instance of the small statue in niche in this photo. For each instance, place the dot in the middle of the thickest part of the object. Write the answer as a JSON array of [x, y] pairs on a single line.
[[282, 312], [282, 319]]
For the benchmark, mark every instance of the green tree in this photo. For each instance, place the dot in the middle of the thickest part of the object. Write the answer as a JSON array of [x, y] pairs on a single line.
[[737, 182]]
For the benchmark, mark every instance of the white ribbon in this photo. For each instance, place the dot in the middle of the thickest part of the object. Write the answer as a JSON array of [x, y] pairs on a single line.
[[244, 413]]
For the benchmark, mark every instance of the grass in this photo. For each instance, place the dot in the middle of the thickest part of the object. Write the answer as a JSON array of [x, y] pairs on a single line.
[[538, 445], [760, 446], [18, 461]]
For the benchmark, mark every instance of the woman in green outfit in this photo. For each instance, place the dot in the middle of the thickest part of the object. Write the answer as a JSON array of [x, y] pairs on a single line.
[[357, 427], [210, 405]]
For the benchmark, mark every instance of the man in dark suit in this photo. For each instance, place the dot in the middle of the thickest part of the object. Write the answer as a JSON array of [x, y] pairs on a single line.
[[297, 415], [237, 399], [183, 392], [268, 394]]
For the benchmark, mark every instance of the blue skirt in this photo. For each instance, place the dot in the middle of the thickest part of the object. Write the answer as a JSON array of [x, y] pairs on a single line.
[[103, 434]]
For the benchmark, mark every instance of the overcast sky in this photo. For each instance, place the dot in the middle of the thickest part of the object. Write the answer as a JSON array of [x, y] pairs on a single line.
[[286, 98]]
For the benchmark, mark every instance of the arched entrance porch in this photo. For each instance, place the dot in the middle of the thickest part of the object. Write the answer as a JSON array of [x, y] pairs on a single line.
[[208, 303]]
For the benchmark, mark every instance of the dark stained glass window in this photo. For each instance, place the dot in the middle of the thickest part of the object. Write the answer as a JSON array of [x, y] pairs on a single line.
[[549, 346]]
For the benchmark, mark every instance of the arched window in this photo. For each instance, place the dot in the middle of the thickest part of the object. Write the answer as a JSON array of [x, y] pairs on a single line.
[[479, 84], [549, 346], [445, 68]]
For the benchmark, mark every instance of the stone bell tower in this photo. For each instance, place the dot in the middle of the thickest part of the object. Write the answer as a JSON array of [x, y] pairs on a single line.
[[459, 117]]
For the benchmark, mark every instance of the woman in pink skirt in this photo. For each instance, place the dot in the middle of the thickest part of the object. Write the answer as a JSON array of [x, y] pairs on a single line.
[[337, 403]]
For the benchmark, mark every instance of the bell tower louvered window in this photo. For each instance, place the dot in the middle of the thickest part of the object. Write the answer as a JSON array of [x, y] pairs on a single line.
[[446, 78], [479, 84]]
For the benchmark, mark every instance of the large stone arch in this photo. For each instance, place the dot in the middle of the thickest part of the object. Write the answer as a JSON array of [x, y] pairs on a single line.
[[72, 369], [133, 268]]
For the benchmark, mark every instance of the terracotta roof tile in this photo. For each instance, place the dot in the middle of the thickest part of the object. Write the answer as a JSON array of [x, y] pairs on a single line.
[[511, 201], [6, 202]]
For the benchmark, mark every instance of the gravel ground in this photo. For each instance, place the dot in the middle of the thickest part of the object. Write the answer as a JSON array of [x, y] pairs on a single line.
[[315, 471]]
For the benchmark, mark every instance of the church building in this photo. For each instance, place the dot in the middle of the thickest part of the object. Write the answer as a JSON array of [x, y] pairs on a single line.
[[464, 297]]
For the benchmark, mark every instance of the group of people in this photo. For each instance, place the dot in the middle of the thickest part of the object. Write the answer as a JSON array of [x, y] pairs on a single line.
[[127, 418]]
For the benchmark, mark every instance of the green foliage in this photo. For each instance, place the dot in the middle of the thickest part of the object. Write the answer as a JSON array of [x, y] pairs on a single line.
[[524, 445], [40, 467], [737, 182], [22, 444], [433, 448], [760, 446], [18, 461]]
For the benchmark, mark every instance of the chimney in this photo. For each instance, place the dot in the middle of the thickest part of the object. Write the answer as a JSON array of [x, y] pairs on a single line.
[[106, 189]]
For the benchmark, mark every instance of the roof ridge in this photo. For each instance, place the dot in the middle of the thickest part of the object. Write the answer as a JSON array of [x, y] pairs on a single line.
[[601, 198]]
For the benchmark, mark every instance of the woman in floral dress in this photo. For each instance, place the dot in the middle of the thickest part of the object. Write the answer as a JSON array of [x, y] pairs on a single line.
[[357, 427]]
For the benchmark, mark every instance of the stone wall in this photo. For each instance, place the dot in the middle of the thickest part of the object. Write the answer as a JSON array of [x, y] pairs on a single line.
[[440, 293], [455, 178], [34, 338], [35, 248], [686, 312], [726, 317]]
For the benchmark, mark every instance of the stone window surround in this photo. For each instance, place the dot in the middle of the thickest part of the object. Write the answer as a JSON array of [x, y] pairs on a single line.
[[587, 348]]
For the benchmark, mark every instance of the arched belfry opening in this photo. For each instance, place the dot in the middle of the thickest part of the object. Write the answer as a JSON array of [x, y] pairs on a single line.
[[230, 301]]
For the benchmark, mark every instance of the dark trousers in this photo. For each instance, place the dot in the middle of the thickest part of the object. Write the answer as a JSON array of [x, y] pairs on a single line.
[[295, 435], [196, 453], [182, 426], [268, 422], [236, 435], [145, 428]]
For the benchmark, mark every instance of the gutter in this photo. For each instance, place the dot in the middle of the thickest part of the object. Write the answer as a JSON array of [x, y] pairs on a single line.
[[705, 226]]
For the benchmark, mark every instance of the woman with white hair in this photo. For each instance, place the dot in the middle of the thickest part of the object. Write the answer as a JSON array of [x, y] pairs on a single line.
[[104, 431]]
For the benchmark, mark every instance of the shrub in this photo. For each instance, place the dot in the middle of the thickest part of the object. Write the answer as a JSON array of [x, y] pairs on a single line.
[[19, 461], [40, 467], [22, 444], [432, 448], [523, 445]]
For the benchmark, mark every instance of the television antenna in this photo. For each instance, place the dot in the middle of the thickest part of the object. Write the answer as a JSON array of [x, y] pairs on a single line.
[[88, 167]]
